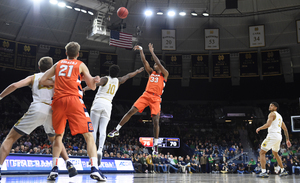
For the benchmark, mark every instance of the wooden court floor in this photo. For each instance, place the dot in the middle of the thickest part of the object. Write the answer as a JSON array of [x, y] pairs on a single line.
[[154, 178]]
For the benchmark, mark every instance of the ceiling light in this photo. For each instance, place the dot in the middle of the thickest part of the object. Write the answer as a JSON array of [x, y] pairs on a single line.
[[205, 14], [148, 12], [53, 1], [83, 11], [61, 4], [91, 13], [69, 7], [193, 13], [160, 13], [77, 9], [182, 13], [171, 13]]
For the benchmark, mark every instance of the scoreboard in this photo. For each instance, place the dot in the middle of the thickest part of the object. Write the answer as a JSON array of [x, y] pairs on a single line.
[[163, 142]]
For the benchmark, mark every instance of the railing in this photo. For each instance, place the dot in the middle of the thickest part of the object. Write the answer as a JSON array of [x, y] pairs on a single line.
[[240, 157]]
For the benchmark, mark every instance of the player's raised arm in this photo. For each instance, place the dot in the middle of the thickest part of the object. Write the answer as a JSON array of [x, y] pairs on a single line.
[[102, 82], [157, 61], [130, 75], [286, 133], [271, 118], [145, 62], [48, 74], [90, 81], [24, 82]]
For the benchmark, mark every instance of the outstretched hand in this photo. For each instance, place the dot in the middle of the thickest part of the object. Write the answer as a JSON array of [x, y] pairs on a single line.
[[96, 79], [288, 143], [140, 70], [151, 49], [257, 130], [138, 47]]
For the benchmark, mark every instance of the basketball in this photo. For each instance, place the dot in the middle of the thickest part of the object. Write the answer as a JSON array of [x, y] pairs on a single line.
[[122, 12]]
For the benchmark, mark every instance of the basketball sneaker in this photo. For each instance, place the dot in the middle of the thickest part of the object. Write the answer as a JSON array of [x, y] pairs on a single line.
[[113, 133], [155, 150], [99, 156], [97, 175], [284, 173], [263, 175], [53, 173], [71, 169]]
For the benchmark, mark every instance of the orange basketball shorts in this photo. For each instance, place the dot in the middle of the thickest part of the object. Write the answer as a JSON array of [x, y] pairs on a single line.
[[71, 108], [151, 100]]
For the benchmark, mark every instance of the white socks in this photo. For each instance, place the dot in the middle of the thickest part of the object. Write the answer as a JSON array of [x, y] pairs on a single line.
[[54, 161], [68, 160], [263, 170], [118, 127], [282, 169], [155, 142], [94, 162]]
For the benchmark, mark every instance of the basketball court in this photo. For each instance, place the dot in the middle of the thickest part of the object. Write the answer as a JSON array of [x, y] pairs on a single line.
[[153, 178]]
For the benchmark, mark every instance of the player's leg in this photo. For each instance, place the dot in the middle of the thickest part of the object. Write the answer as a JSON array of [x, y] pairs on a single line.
[[80, 123], [59, 120], [7, 144], [95, 118], [266, 145], [124, 120], [262, 155], [102, 136], [155, 113], [91, 150], [138, 106], [275, 150], [70, 167]]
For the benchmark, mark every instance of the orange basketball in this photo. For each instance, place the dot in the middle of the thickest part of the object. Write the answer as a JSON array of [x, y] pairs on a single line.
[[122, 12]]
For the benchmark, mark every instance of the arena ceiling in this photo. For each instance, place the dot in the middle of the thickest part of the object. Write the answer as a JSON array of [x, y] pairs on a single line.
[[44, 23]]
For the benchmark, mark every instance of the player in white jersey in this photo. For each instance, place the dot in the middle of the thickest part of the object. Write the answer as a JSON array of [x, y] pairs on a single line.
[[273, 139], [101, 108], [39, 113]]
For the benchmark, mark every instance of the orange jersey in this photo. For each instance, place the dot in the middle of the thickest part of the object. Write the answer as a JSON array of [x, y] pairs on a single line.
[[67, 79], [156, 83]]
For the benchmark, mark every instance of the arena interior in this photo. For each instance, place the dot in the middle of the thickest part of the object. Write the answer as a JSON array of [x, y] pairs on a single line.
[[227, 61]]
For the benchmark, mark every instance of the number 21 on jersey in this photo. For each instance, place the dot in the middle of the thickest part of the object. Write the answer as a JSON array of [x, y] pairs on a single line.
[[63, 72]]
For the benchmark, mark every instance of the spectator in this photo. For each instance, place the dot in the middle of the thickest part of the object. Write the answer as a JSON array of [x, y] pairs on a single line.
[[137, 165], [211, 163], [173, 165], [267, 160], [257, 169], [225, 168], [203, 162], [241, 169], [233, 168], [224, 159], [149, 161], [165, 164], [143, 162], [188, 163], [157, 163], [232, 148], [216, 169], [273, 160], [195, 165]]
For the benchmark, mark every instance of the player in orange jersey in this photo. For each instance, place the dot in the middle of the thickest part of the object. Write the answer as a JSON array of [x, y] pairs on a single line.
[[68, 105], [151, 97]]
